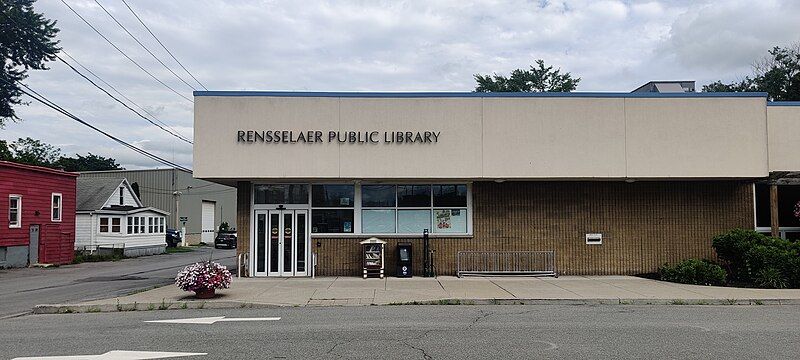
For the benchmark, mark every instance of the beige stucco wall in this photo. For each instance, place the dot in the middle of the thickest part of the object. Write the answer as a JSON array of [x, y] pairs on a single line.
[[783, 123], [488, 138]]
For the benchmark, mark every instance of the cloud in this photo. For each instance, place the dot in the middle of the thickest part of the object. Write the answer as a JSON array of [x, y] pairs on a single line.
[[377, 46]]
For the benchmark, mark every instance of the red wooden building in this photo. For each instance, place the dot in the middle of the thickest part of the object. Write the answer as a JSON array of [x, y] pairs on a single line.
[[38, 215]]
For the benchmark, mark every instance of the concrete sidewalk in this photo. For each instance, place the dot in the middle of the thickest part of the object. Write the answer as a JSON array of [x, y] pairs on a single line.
[[328, 291]]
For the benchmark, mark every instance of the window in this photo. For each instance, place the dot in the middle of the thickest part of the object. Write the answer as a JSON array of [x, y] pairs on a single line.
[[281, 194], [115, 225], [149, 224], [332, 208], [410, 209], [130, 225], [121, 195], [14, 211], [141, 224], [378, 214], [414, 196], [161, 224], [449, 208], [55, 207], [136, 225], [103, 224], [332, 195]]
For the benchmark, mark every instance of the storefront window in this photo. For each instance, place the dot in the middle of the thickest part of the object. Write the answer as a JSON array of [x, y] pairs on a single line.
[[378, 221], [378, 196], [449, 195], [414, 195], [332, 221], [281, 194], [413, 221], [332, 195], [450, 221]]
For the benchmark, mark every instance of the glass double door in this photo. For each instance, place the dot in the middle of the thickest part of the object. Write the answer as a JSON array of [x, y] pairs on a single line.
[[281, 243]]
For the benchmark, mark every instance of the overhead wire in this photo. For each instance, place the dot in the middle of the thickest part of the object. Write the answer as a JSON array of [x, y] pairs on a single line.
[[171, 130], [123, 53], [143, 46], [121, 102], [162, 44], [47, 102], [148, 112]]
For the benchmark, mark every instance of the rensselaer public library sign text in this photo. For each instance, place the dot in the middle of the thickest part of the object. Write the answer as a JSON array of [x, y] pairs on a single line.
[[344, 137]]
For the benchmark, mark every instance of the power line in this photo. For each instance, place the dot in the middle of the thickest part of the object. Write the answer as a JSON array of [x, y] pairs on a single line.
[[121, 102], [153, 116], [162, 44], [124, 54], [42, 99], [144, 47], [172, 132]]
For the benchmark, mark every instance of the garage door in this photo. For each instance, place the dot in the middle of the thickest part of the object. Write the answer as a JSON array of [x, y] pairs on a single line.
[[208, 222]]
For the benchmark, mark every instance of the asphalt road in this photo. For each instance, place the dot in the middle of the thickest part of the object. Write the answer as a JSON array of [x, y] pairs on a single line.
[[423, 332], [21, 289]]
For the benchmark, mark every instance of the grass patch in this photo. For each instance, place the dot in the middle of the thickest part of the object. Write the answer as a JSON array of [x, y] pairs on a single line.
[[164, 305], [179, 249], [677, 302]]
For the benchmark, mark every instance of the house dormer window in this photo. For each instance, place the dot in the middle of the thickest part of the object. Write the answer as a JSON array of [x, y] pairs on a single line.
[[121, 195]]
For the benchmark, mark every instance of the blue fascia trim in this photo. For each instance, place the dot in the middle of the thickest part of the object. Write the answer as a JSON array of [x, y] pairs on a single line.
[[783, 103], [476, 94]]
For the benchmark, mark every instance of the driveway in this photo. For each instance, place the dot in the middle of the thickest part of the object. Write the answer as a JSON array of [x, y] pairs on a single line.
[[21, 289]]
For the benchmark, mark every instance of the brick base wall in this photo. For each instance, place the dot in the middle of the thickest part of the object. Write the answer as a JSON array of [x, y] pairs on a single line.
[[644, 225]]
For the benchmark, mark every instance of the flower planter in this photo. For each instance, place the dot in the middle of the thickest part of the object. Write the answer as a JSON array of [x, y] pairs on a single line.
[[204, 293], [204, 278]]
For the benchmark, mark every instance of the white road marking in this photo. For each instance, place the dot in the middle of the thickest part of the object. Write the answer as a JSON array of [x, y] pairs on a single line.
[[210, 320], [116, 355]]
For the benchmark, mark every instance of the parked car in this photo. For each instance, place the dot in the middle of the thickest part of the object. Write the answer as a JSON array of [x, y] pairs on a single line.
[[226, 239], [173, 237]]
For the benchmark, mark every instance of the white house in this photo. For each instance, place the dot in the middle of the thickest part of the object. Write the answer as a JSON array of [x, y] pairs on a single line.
[[109, 214]]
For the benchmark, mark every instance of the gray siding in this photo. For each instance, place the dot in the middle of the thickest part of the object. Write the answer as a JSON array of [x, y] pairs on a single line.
[[156, 188]]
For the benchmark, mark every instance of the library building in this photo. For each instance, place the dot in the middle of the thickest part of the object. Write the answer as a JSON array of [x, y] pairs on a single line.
[[582, 183]]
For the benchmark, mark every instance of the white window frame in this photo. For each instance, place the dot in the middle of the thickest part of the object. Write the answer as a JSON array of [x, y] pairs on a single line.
[[53, 208], [100, 225], [149, 224], [111, 225], [142, 226], [121, 195], [129, 224], [161, 222], [17, 223]]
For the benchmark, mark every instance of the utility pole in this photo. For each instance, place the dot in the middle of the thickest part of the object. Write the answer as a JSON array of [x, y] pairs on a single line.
[[177, 196]]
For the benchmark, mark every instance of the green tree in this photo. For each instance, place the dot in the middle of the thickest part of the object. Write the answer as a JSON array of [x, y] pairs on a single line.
[[89, 162], [539, 78], [777, 74], [27, 41], [34, 152], [5, 152]]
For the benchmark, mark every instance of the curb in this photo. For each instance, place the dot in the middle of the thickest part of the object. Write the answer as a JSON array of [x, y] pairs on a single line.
[[180, 305], [183, 305]]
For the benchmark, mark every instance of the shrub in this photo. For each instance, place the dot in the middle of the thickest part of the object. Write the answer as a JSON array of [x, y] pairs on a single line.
[[693, 271], [759, 260]]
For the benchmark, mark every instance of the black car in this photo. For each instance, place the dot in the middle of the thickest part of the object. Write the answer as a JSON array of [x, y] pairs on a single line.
[[226, 239], [173, 237]]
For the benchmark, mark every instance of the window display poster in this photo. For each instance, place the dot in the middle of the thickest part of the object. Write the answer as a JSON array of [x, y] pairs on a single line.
[[347, 226], [450, 221], [443, 219]]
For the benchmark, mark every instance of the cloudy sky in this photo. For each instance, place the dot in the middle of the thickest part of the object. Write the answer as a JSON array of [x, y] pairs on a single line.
[[375, 46]]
